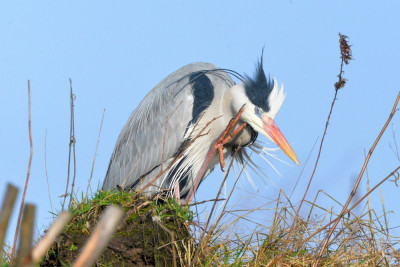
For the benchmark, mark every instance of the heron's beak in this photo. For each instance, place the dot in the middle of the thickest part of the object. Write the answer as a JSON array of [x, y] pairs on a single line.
[[275, 134]]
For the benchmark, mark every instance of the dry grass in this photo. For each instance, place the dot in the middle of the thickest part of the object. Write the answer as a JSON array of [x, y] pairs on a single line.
[[362, 240]]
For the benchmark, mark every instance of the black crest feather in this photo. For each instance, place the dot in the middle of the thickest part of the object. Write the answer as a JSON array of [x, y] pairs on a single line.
[[259, 87]]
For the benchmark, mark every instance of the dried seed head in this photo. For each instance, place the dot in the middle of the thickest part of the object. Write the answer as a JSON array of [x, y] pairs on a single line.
[[345, 49], [341, 83], [345, 54]]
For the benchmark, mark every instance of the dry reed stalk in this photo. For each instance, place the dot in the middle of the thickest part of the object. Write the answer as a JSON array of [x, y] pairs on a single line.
[[95, 154], [72, 142], [304, 166], [24, 255], [6, 210], [45, 243], [47, 177], [371, 230], [100, 237], [27, 174]]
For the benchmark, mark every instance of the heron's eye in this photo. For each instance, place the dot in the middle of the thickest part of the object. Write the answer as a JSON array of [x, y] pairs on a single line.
[[257, 110]]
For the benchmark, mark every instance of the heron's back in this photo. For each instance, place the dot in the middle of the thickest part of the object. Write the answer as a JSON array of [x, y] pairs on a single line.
[[155, 130]]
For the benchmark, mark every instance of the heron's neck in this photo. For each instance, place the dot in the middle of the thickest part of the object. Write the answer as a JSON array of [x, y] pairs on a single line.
[[233, 100]]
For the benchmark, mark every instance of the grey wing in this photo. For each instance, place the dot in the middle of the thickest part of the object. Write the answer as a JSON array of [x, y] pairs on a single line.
[[156, 128]]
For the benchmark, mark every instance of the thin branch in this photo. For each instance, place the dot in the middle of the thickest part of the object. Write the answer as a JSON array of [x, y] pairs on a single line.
[[45, 169], [71, 141], [384, 214], [395, 149], [95, 154], [369, 203], [71, 196], [302, 170], [353, 192], [27, 174], [206, 201]]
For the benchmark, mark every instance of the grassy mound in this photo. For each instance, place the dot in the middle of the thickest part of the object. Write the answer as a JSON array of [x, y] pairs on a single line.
[[149, 233], [152, 234]]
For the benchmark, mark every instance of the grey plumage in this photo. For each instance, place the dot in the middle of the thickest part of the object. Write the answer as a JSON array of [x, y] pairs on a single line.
[[167, 112]]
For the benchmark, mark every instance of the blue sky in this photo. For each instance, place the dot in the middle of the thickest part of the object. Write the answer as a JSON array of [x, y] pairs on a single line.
[[115, 52]]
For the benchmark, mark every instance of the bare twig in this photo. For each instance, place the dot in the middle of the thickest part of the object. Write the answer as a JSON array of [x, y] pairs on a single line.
[[44, 244], [24, 256], [27, 174], [345, 52], [302, 170], [395, 149], [71, 196], [325, 243], [95, 154], [6, 210], [72, 142], [100, 237], [45, 169], [369, 204], [206, 201], [384, 214]]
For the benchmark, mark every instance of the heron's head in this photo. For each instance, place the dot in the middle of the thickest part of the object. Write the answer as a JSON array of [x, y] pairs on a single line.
[[262, 99]]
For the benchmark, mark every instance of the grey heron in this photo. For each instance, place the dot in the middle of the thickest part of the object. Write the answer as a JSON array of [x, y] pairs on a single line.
[[178, 133]]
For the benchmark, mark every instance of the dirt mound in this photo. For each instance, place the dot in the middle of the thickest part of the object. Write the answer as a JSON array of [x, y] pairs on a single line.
[[150, 234]]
